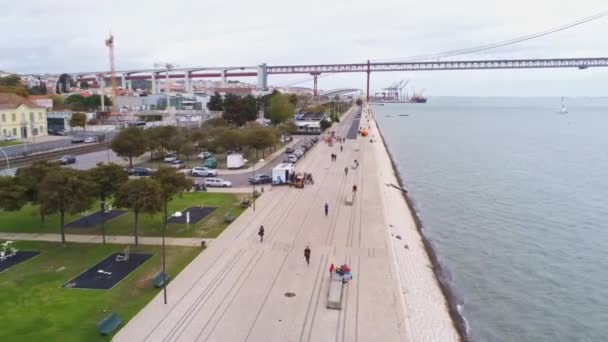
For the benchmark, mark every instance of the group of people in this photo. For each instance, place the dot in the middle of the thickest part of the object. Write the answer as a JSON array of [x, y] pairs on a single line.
[[334, 157], [308, 178], [343, 271]]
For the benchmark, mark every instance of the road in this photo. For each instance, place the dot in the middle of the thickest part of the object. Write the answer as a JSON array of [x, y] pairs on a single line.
[[236, 290]]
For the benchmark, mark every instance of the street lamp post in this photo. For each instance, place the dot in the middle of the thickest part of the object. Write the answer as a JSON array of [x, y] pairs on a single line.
[[253, 183]]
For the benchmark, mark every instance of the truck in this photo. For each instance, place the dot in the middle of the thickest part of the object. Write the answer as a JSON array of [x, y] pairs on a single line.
[[235, 161], [281, 173]]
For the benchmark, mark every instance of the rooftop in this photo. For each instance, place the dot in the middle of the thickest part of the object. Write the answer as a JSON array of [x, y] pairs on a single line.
[[13, 101]]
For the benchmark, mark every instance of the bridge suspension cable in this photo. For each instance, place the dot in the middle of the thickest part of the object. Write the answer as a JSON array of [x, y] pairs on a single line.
[[497, 44]]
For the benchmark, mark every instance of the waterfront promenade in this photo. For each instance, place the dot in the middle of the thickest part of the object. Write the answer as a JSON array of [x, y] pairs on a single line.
[[236, 289]]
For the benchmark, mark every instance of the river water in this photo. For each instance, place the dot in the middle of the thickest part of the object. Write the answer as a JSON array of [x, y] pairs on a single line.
[[514, 198]]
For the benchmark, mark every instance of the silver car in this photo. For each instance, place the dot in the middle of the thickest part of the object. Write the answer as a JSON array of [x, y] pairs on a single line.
[[217, 183]]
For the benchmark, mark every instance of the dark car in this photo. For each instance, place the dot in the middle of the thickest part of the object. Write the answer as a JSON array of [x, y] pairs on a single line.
[[77, 140], [66, 160], [289, 150], [140, 171], [260, 179]]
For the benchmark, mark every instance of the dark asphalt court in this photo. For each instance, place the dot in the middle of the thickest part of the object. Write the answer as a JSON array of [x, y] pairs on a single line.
[[95, 219], [196, 214], [92, 279], [20, 257]]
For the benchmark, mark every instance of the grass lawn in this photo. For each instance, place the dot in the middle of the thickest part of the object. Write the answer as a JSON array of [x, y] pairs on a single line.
[[10, 143], [27, 220], [36, 308]]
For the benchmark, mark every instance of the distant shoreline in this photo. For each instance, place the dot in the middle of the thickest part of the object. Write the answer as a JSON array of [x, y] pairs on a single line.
[[458, 320]]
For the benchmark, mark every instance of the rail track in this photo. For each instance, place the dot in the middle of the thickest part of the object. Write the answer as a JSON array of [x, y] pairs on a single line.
[[53, 154]]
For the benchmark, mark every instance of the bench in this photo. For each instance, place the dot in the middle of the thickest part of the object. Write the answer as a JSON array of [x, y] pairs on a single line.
[[229, 217], [160, 279], [334, 295], [107, 325]]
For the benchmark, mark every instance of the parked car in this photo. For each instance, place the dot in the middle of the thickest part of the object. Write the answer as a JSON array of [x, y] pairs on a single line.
[[217, 182], [292, 158], [77, 140], [10, 138], [289, 150], [178, 164], [89, 140], [205, 155], [298, 153], [285, 138], [260, 179], [201, 171], [140, 171], [66, 160], [170, 159]]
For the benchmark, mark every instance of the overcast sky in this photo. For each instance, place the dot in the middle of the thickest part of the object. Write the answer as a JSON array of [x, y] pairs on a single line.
[[68, 36]]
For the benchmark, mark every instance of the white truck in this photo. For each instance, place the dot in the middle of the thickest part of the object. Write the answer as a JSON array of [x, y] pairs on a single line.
[[235, 161]]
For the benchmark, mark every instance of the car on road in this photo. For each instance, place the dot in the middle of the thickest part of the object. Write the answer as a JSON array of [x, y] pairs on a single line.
[[170, 159], [178, 164], [292, 158], [89, 140], [66, 160], [205, 155], [260, 179], [77, 140], [218, 183], [10, 138], [201, 171], [140, 171], [289, 150], [298, 153]]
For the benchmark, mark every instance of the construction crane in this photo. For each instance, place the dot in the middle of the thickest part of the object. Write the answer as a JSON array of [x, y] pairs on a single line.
[[110, 45]]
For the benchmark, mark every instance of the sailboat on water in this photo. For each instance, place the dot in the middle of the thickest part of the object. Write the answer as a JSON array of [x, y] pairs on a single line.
[[563, 110]]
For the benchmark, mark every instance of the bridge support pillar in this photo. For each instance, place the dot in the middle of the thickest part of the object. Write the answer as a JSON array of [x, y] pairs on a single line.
[[123, 81], [153, 80], [315, 88], [224, 78], [262, 77], [368, 74], [187, 82]]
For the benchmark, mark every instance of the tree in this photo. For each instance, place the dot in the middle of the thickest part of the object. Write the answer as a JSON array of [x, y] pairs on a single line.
[[130, 143], [325, 124], [76, 102], [66, 191], [12, 194], [171, 183], [78, 120], [30, 177], [12, 84], [260, 138], [36, 90], [57, 102], [94, 101], [84, 85], [216, 103], [141, 196], [108, 178], [231, 139], [65, 82], [359, 102], [280, 109], [57, 88], [233, 109]]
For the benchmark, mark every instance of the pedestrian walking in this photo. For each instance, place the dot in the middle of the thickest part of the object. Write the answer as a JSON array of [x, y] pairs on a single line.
[[346, 171], [307, 255], [326, 208], [261, 233], [354, 188], [341, 148], [331, 269]]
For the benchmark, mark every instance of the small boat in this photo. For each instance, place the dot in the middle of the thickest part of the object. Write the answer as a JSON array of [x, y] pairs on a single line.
[[404, 115]]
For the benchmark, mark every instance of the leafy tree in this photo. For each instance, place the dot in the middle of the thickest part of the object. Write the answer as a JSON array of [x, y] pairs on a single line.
[[12, 194], [186, 150], [84, 85], [66, 191], [76, 102], [176, 142], [57, 88], [108, 178], [231, 139], [280, 109], [30, 177], [152, 140], [78, 120], [10, 81], [233, 109], [359, 102], [57, 101], [65, 82], [12, 84], [130, 143], [141, 196], [216, 102], [171, 183], [260, 138], [215, 122], [37, 90], [250, 108], [288, 127], [325, 124], [94, 101], [293, 98]]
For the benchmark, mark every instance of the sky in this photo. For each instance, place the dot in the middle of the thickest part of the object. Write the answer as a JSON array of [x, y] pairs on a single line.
[[68, 36]]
